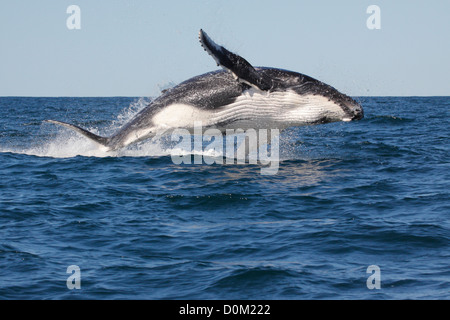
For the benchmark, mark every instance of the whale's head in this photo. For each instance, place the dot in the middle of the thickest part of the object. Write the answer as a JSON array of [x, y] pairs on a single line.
[[312, 101], [325, 103], [351, 109]]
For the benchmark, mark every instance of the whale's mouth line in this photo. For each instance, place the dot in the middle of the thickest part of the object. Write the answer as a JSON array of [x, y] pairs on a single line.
[[353, 118]]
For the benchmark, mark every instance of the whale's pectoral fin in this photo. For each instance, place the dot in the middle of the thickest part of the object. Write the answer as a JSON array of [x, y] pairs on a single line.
[[100, 140], [240, 67]]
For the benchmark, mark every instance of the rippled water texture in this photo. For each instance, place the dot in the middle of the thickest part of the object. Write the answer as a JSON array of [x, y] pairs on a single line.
[[346, 196]]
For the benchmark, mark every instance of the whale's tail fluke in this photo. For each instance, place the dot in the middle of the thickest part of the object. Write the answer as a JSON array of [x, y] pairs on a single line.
[[104, 141]]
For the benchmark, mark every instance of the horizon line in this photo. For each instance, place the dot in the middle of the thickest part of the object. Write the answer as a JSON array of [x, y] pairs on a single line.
[[122, 96]]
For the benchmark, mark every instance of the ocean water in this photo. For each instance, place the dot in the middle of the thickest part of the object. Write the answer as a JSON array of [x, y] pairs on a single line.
[[136, 225]]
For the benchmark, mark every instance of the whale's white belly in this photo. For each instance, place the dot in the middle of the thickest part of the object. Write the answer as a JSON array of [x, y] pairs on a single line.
[[253, 109]]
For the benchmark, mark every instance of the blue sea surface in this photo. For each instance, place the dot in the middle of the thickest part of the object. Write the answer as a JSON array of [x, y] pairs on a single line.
[[346, 196]]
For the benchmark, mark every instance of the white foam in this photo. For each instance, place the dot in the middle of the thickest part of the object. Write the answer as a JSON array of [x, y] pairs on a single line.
[[67, 144]]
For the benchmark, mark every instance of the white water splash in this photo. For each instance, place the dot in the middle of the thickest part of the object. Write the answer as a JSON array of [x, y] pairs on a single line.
[[67, 144]]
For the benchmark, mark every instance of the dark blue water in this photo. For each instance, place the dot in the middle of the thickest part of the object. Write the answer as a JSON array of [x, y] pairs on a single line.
[[138, 226]]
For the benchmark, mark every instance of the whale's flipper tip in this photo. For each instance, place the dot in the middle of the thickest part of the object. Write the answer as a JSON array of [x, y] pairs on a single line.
[[237, 65], [212, 48]]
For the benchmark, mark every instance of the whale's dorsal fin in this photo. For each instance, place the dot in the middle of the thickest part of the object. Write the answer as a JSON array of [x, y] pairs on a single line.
[[240, 67]]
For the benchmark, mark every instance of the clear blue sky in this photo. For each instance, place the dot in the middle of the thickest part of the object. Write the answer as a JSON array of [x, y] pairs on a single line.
[[134, 47]]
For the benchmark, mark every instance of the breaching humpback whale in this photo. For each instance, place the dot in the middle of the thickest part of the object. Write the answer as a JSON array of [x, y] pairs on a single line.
[[239, 96]]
